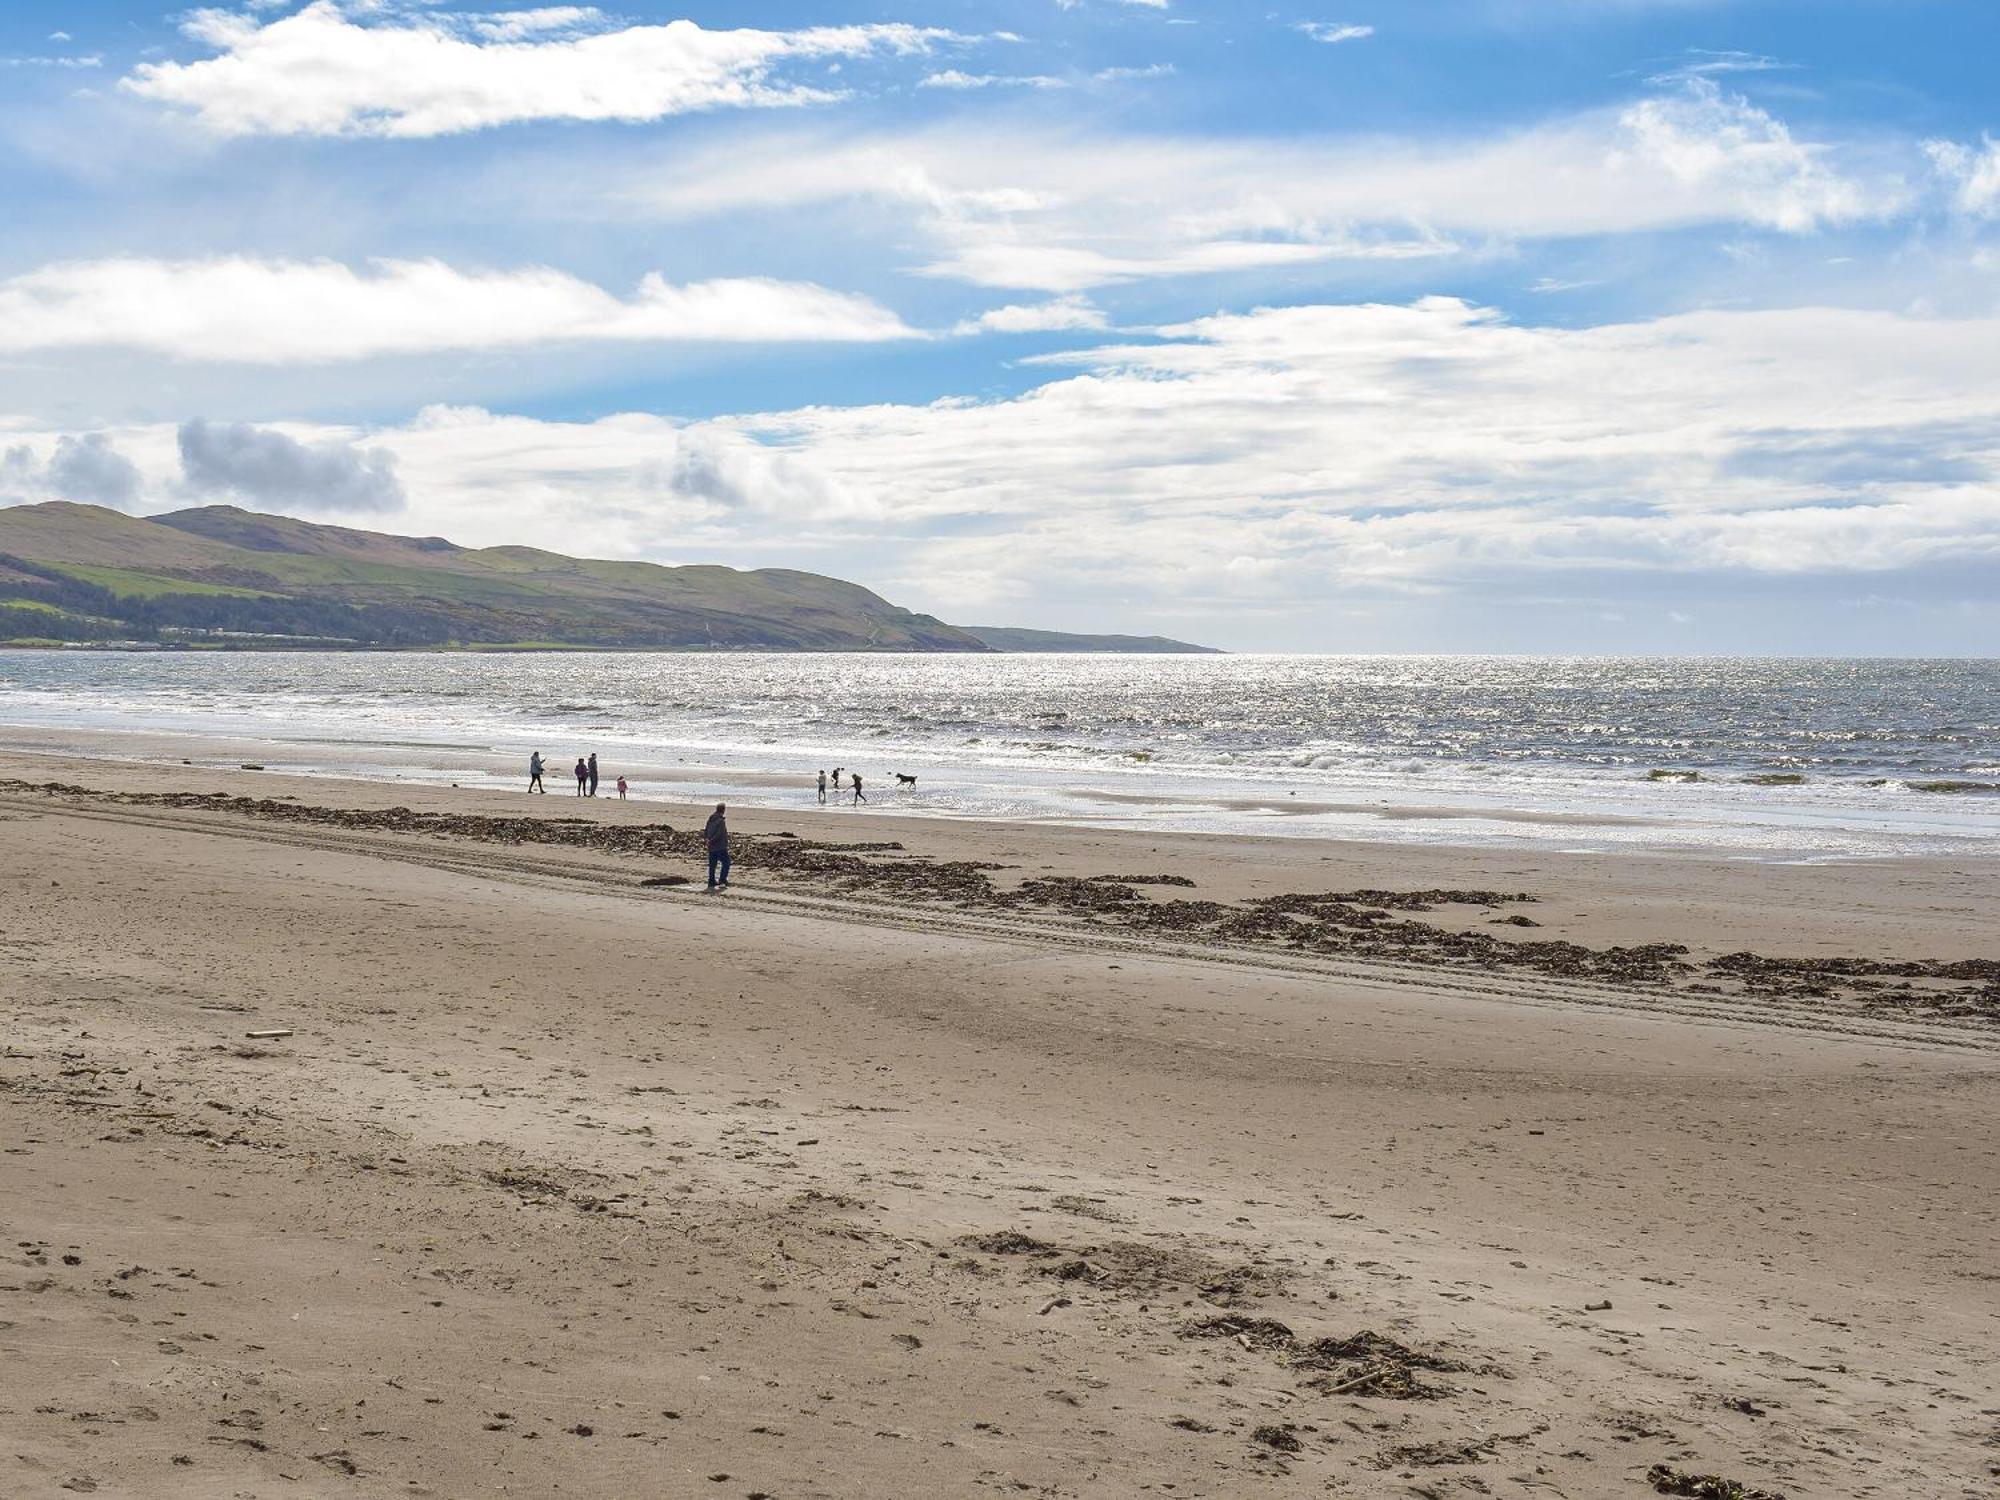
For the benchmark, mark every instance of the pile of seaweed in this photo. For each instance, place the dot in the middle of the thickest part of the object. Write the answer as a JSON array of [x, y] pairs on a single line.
[[1368, 924], [1667, 1480], [1906, 984], [1366, 1363]]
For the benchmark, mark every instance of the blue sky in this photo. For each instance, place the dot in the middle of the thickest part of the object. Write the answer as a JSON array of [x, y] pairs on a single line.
[[1444, 324]]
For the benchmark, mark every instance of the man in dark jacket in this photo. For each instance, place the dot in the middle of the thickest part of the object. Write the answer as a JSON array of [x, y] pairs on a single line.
[[593, 773], [718, 849]]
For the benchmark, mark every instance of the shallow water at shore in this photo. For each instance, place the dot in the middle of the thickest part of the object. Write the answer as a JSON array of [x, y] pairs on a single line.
[[1761, 759]]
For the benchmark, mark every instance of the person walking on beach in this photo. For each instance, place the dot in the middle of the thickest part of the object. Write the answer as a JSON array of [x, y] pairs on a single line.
[[621, 788], [822, 789], [535, 774], [593, 773], [836, 781], [858, 798], [717, 833], [582, 775]]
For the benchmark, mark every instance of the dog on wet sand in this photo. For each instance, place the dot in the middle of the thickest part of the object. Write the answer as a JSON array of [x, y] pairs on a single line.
[[902, 780]]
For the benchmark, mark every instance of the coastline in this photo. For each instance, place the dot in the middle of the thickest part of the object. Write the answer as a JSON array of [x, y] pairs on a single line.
[[1646, 815], [839, 1186], [1928, 906]]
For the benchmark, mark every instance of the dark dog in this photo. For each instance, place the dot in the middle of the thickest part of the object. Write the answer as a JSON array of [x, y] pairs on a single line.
[[902, 780]]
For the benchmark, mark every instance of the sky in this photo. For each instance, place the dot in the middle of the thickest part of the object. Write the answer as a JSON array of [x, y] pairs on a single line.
[[1372, 325]]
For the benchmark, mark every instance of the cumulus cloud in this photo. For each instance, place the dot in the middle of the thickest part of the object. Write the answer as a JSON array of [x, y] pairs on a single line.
[[271, 312], [1971, 174], [84, 467], [1060, 213], [1707, 142], [652, 486], [333, 69], [274, 471]]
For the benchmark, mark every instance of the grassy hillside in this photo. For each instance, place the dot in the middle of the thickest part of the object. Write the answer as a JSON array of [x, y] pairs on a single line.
[[219, 575]]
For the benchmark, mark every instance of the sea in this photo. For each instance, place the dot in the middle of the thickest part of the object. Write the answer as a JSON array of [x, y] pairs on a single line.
[[1761, 759]]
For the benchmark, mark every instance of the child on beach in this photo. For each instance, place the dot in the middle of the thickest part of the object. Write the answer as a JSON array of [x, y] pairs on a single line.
[[582, 775], [621, 788]]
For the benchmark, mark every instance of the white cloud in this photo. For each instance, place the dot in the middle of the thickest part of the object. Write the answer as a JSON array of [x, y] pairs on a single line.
[[1971, 174], [329, 70], [1048, 210], [1703, 62], [952, 78], [517, 25], [274, 312], [91, 61], [1706, 141], [1130, 75], [1425, 443], [1005, 262], [1060, 315], [1266, 459], [1334, 32]]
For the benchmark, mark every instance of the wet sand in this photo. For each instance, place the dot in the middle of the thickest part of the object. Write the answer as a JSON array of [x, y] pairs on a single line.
[[854, 1184]]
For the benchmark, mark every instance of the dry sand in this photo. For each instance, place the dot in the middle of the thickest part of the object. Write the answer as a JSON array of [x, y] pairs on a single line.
[[561, 1184]]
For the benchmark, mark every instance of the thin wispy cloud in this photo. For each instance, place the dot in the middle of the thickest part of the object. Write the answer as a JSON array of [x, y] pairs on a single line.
[[1333, 32], [1700, 62], [952, 78], [1060, 314], [93, 60], [519, 25]]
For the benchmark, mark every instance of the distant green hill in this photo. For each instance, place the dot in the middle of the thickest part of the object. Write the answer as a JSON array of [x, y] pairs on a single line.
[[1009, 638], [220, 576], [223, 576]]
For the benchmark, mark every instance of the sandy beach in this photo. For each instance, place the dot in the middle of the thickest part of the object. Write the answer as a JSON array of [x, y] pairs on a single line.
[[955, 1158]]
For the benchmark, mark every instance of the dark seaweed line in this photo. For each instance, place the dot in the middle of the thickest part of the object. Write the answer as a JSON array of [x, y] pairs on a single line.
[[1353, 925]]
